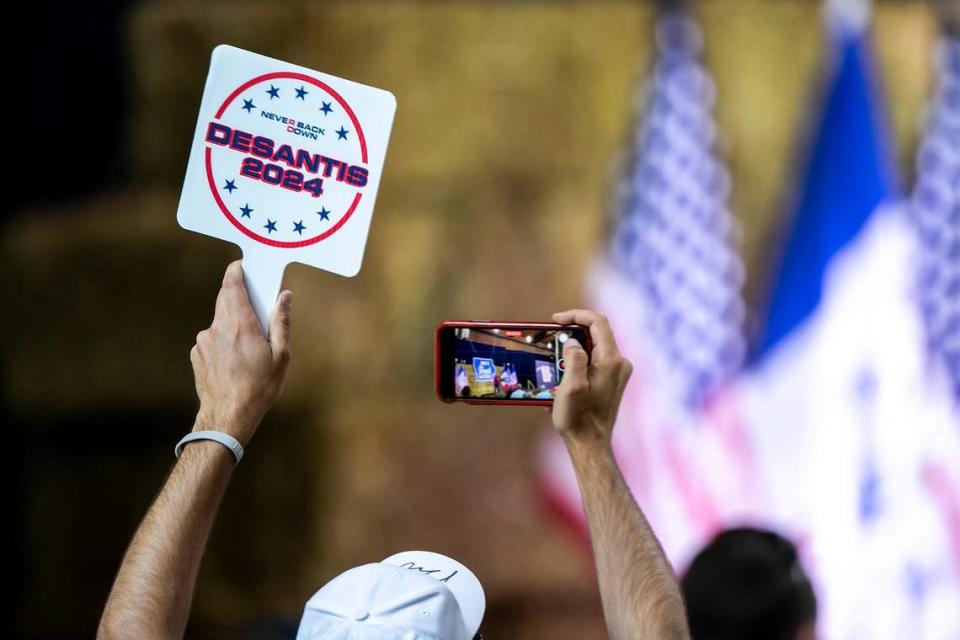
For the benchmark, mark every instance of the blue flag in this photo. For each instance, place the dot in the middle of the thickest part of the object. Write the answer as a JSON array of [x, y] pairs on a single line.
[[849, 171]]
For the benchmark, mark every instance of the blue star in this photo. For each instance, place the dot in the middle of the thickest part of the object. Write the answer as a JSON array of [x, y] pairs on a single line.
[[274, 92], [248, 105], [245, 211], [917, 583], [230, 186], [271, 225], [326, 108], [299, 227], [871, 494], [324, 214], [301, 92], [342, 133]]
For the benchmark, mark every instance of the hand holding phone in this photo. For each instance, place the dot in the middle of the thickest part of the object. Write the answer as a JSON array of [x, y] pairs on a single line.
[[518, 363], [589, 400]]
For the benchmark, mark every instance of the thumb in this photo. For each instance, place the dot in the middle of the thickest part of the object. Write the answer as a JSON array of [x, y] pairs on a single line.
[[280, 325], [575, 364]]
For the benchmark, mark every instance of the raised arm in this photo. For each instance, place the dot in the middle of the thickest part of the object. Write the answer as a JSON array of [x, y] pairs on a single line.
[[239, 374], [640, 594]]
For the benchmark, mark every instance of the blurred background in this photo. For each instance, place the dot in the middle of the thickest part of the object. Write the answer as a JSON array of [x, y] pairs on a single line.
[[513, 122]]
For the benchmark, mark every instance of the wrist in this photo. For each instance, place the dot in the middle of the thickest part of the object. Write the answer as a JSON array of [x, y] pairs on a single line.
[[208, 452], [242, 427], [588, 446]]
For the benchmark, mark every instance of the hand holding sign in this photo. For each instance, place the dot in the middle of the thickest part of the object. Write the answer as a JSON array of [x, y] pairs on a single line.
[[285, 164]]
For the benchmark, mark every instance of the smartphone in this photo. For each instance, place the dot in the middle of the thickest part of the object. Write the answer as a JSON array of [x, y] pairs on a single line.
[[502, 362]]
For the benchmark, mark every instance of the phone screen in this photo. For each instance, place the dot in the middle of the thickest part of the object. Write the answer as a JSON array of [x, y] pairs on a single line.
[[505, 363]]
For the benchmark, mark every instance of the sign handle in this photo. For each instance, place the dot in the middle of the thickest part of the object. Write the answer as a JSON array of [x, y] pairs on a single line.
[[262, 277]]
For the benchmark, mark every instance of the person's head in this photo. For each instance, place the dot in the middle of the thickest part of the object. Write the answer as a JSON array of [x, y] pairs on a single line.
[[414, 595], [748, 584], [465, 391]]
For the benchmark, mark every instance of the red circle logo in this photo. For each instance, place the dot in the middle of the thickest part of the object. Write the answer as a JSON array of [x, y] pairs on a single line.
[[286, 160]]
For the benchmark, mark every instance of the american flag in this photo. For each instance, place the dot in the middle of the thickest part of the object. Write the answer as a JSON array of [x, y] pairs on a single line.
[[935, 211], [833, 437], [670, 284], [674, 237]]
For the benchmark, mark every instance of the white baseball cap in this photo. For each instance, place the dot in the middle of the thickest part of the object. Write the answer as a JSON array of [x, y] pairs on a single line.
[[414, 595]]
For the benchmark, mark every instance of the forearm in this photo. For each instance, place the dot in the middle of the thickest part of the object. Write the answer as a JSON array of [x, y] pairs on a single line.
[[153, 591], [640, 595]]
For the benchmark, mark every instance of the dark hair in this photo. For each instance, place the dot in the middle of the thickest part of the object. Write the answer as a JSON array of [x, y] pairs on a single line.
[[746, 584], [465, 392]]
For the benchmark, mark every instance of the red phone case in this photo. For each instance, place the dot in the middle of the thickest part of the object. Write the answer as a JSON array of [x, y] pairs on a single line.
[[492, 325]]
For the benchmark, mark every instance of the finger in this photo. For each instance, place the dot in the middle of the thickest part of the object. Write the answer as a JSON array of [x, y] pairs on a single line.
[[575, 369], [233, 301], [234, 274], [232, 278], [604, 344], [280, 326]]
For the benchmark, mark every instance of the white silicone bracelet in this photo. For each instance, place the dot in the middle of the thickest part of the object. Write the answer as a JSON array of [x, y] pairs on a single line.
[[226, 440]]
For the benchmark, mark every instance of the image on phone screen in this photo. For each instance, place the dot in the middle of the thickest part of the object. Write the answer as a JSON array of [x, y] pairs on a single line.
[[513, 364]]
